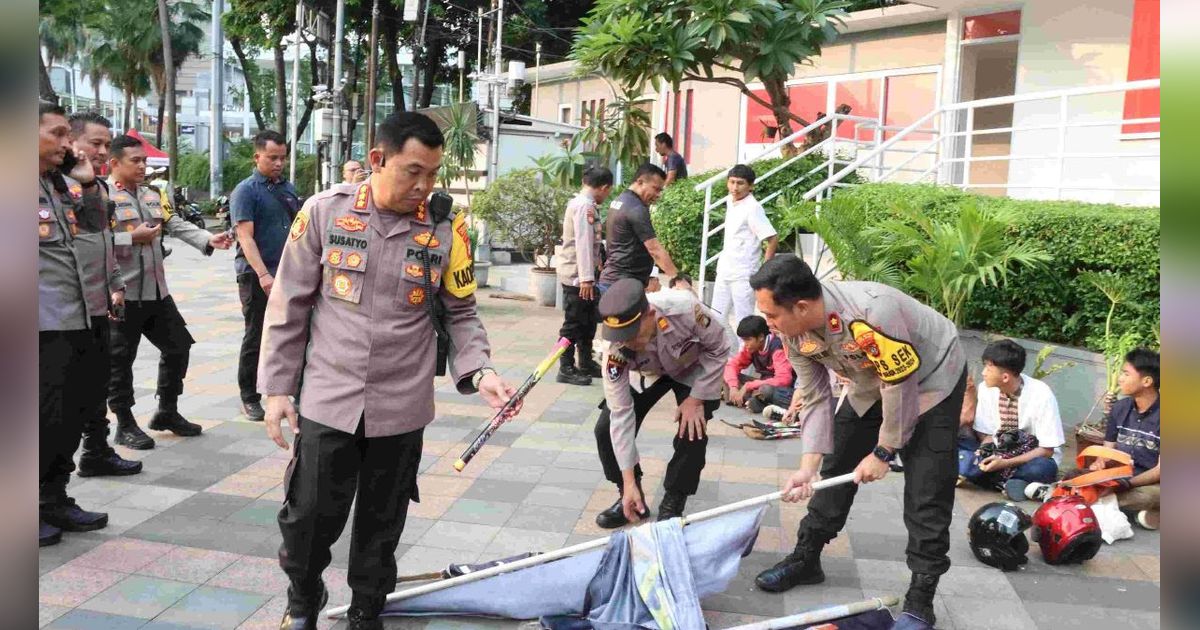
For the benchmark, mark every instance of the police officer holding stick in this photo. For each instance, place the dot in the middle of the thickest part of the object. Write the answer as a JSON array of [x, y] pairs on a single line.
[[352, 310], [907, 375]]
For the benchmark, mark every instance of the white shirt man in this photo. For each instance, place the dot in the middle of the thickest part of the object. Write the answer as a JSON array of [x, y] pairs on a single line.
[[746, 227], [1037, 413]]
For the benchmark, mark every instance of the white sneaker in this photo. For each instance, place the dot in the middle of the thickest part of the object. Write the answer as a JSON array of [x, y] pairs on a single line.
[[773, 413], [1037, 491], [1148, 519]]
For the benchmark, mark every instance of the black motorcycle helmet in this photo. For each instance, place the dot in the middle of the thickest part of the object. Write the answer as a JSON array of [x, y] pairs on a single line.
[[997, 535]]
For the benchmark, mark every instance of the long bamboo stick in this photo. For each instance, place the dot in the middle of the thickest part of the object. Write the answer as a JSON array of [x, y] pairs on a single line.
[[823, 614], [425, 589]]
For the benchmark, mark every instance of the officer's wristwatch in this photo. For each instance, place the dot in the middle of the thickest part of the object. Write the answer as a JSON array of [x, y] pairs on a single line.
[[477, 377], [883, 454]]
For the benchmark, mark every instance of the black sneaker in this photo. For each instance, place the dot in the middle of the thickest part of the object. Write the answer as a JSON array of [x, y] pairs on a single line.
[[171, 421], [918, 601], [111, 465], [48, 534], [802, 566], [571, 376], [128, 432], [614, 516], [306, 620], [254, 411], [70, 517]]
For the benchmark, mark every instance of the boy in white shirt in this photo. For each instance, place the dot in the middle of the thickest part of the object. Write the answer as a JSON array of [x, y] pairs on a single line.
[[1007, 400], [746, 227]]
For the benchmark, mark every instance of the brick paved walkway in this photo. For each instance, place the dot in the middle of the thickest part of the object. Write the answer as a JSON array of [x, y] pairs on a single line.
[[192, 540]]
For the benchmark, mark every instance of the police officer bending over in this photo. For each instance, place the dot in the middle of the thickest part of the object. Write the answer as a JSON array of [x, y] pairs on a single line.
[[670, 334], [907, 375], [356, 284]]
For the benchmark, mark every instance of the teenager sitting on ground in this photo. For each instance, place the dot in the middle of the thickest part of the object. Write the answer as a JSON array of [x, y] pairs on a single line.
[[1008, 401], [764, 351], [1133, 428]]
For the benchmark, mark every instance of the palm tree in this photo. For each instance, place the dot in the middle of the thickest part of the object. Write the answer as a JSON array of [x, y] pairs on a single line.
[[164, 25], [179, 19], [60, 32], [460, 145], [126, 41]]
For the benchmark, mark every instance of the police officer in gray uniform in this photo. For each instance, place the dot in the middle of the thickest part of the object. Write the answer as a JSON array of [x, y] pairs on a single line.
[[670, 334], [149, 310], [907, 375], [76, 280]]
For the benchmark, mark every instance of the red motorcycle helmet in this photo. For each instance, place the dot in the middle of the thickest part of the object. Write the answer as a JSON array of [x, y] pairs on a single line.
[[1067, 531]]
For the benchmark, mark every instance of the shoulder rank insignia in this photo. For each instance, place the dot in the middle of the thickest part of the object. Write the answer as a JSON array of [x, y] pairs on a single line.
[[350, 223], [299, 225], [360, 198], [894, 359], [421, 214], [615, 366], [835, 323], [702, 318]]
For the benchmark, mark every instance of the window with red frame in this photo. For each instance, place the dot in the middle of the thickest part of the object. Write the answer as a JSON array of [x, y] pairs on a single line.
[[1143, 64]]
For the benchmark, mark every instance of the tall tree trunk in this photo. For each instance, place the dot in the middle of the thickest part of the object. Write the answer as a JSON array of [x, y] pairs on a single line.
[[127, 118], [314, 76], [781, 108], [164, 23], [45, 88], [248, 74], [432, 64], [162, 114], [95, 79], [351, 116], [281, 95], [389, 19]]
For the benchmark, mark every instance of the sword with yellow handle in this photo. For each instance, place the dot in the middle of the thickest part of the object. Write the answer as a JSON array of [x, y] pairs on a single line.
[[502, 415]]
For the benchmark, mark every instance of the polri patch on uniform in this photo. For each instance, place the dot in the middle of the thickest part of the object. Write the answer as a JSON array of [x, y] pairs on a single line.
[[43, 230], [809, 346], [894, 359], [835, 323], [427, 239], [354, 260], [414, 270], [702, 318], [335, 256], [850, 346], [416, 296], [342, 285], [360, 198], [663, 324], [44, 214], [614, 367], [299, 225], [350, 223], [76, 190]]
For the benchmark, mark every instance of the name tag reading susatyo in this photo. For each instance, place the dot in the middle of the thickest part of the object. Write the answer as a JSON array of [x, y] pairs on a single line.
[[894, 360]]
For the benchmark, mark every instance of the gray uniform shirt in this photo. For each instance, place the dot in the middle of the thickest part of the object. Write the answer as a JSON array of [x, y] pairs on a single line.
[[891, 347], [690, 345], [142, 265], [627, 230], [76, 269], [581, 242], [348, 308]]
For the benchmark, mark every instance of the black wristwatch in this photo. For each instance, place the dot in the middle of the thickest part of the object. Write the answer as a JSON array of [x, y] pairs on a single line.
[[883, 454]]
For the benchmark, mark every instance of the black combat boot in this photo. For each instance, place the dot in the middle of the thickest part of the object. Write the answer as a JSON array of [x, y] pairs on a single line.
[[802, 566], [167, 418], [98, 458], [129, 433], [567, 372], [66, 515], [254, 411], [364, 612], [587, 363], [48, 534], [301, 614], [672, 505], [918, 602], [614, 516]]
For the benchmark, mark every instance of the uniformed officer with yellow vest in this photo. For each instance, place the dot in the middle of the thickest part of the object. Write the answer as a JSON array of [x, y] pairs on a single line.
[[365, 268], [907, 375], [76, 279], [149, 308], [672, 336]]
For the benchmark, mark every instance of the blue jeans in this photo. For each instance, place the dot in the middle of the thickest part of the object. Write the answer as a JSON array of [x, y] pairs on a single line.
[[1040, 469]]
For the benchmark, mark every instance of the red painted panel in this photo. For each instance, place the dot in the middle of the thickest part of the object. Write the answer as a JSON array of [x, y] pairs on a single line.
[[1143, 64], [863, 98], [992, 25], [909, 97], [808, 102]]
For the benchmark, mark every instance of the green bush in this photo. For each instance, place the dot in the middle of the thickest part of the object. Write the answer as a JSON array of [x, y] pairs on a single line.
[[520, 209], [679, 215], [193, 169], [1054, 302]]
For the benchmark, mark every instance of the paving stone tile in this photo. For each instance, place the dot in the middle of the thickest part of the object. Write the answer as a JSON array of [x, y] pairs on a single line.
[[522, 473], [498, 490], [544, 518], [189, 564], [1069, 617], [48, 613], [70, 586], [261, 512], [91, 620], [530, 456], [985, 613], [209, 607], [1085, 590], [253, 575], [153, 498], [556, 496], [244, 485], [139, 596], [511, 541], [423, 559], [126, 555], [209, 505], [464, 536], [478, 511], [71, 547]]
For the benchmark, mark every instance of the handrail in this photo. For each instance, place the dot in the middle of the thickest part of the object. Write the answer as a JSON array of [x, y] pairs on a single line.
[[1128, 86], [870, 155]]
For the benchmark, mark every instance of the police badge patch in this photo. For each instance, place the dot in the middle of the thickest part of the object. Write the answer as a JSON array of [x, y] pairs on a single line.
[[614, 367], [702, 318]]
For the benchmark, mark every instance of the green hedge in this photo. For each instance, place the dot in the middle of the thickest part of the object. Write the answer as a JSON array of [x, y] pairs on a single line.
[[193, 169], [679, 215], [1052, 303]]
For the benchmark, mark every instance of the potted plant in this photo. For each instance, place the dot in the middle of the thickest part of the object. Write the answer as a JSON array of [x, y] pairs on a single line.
[[482, 266], [520, 209], [1116, 290]]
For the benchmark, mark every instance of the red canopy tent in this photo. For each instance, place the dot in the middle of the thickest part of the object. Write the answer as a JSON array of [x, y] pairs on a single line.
[[154, 156]]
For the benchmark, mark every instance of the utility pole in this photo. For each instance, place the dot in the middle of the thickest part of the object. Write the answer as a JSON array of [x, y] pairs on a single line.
[[497, 86], [537, 77], [217, 102], [462, 68], [335, 158], [372, 66], [295, 90]]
